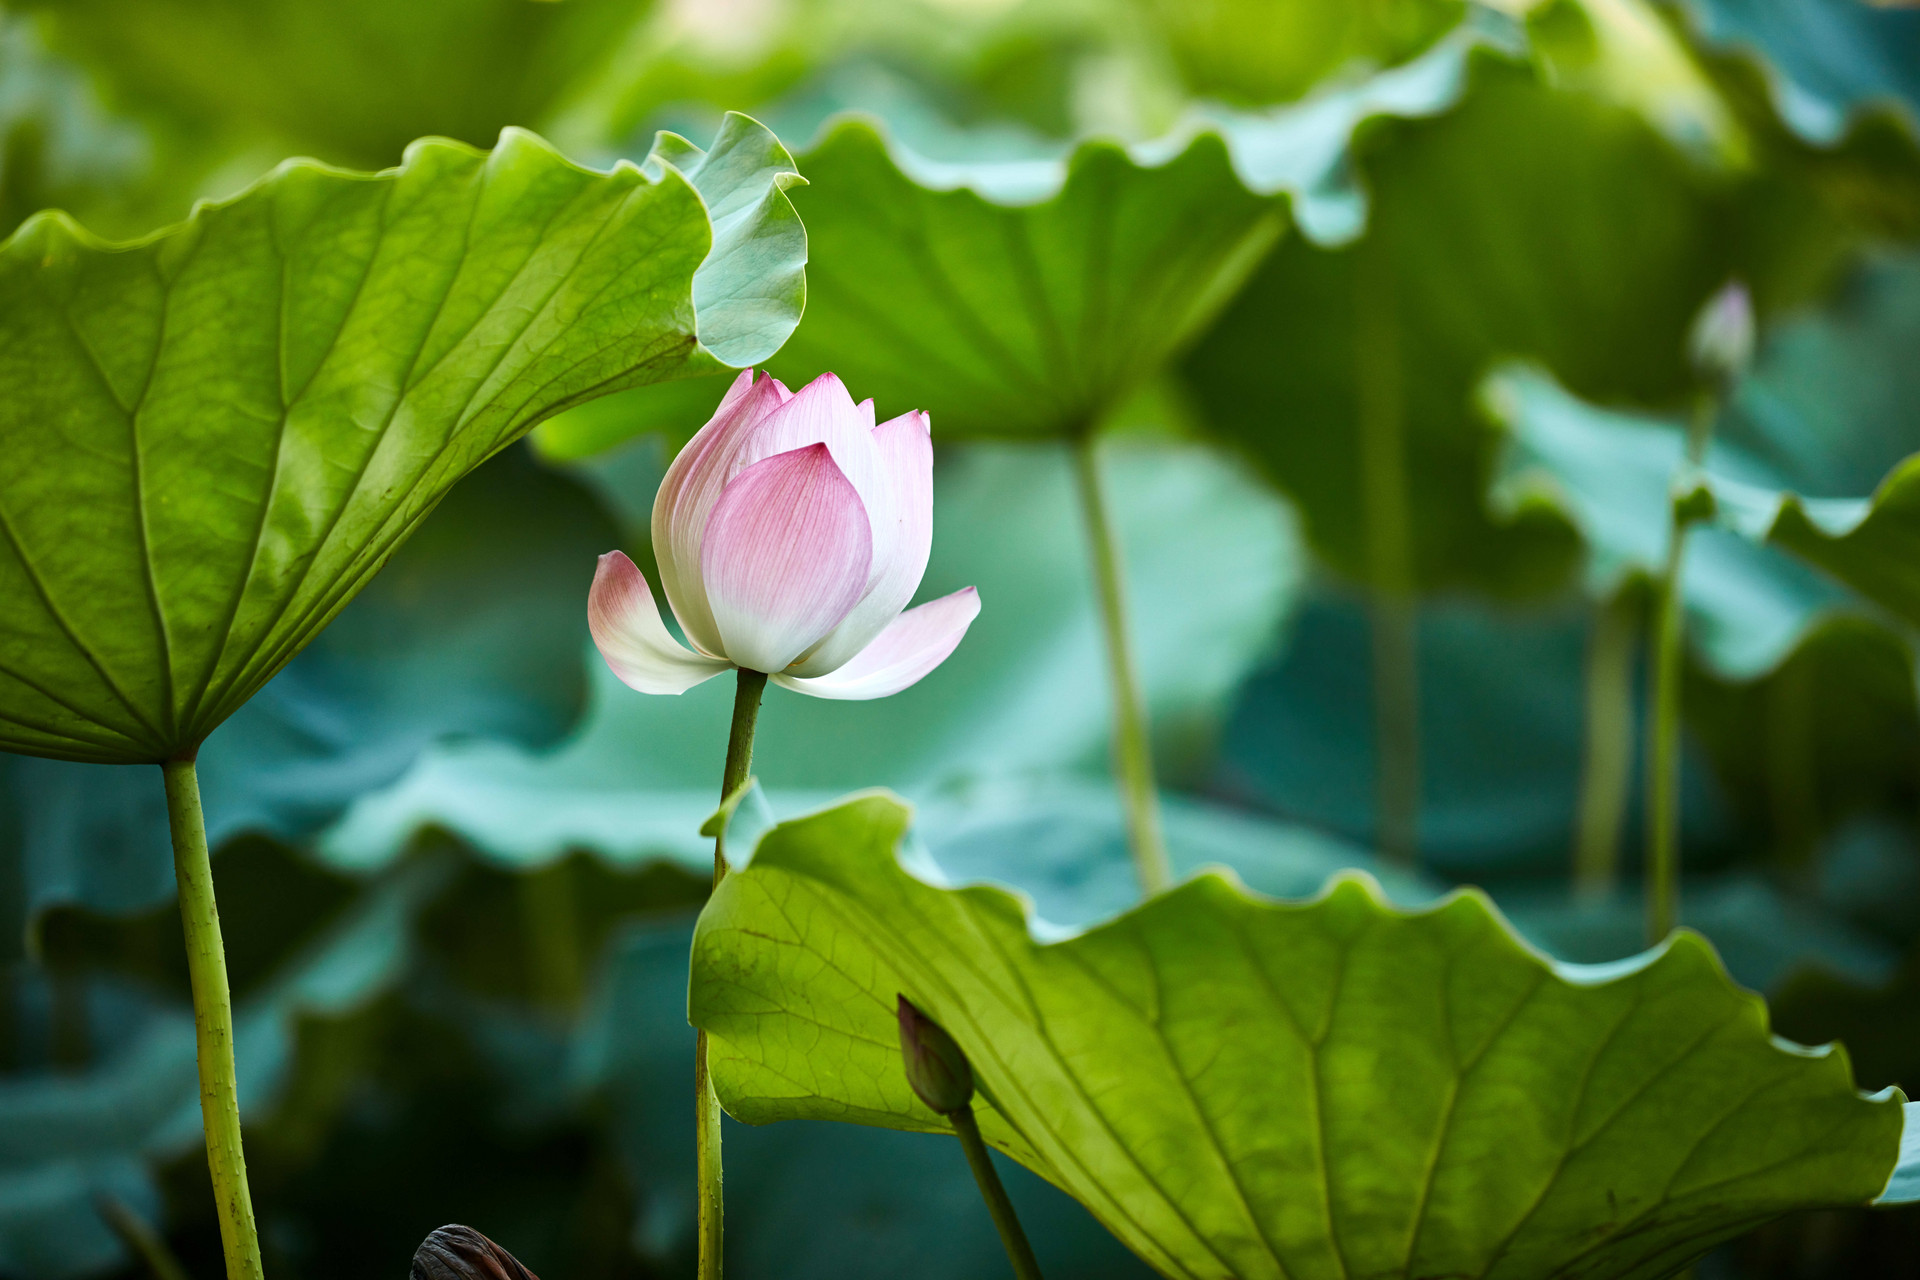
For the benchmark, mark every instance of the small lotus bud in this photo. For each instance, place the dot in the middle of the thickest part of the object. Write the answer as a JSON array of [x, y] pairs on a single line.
[[1721, 343], [461, 1253], [936, 1068]]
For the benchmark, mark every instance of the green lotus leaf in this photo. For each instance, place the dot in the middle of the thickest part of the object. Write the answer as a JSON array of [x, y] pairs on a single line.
[[1826, 63], [1553, 216], [1242, 1087], [217, 435], [1527, 221], [1812, 752], [353, 82], [62, 148], [1262, 51], [1028, 296], [1016, 287], [1871, 544], [1016, 320], [472, 630]]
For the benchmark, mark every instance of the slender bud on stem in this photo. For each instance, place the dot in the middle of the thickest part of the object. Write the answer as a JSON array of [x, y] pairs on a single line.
[[461, 1253], [1721, 343], [936, 1068], [941, 1076]]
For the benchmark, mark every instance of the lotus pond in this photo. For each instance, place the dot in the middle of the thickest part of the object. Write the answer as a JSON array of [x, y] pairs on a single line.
[[1257, 639]]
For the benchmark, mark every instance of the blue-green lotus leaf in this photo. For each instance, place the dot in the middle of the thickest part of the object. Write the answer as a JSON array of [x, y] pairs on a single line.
[[217, 435]]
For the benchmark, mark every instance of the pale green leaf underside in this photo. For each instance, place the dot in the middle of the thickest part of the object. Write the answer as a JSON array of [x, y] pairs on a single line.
[[215, 436], [1610, 473], [1238, 1087], [1618, 473], [1872, 545]]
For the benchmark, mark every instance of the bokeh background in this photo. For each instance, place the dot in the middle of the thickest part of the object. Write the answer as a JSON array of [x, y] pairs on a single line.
[[457, 861]]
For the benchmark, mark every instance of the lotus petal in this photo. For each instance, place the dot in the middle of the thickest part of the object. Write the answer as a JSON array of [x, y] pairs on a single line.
[[786, 555], [628, 632], [900, 509], [912, 645]]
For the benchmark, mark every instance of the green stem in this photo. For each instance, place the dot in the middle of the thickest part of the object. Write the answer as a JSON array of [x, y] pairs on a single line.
[[1132, 745], [1005, 1221], [1663, 724], [212, 1019], [552, 921], [1791, 798], [1663, 747], [706, 1106], [1607, 770], [1381, 420], [138, 1235]]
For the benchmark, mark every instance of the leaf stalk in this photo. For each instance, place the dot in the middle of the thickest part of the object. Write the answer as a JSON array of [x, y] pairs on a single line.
[[1607, 765], [1663, 721], [1393, 606], [1132, 743], [212, 1020]]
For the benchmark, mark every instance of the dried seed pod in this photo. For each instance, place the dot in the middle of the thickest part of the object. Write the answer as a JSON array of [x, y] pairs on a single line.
[[461, 1253]]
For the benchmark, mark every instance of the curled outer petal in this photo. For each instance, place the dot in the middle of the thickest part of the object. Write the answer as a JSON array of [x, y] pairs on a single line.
[[786, 554], [912, 645], [631, 637], [899, 504]]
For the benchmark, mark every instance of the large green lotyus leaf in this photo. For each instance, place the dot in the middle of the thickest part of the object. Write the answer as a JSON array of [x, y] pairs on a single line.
[[1242, 1087], [214, 437], [1268, 50], [1575, 209], [1027, 295], [1017, 316], [350, 80]]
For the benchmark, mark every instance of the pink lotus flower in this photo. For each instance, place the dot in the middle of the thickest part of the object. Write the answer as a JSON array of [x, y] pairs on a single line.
[[790, 532]]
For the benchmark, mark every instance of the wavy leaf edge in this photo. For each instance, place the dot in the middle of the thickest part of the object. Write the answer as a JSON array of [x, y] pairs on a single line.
[[1262, 146], [908, 860]]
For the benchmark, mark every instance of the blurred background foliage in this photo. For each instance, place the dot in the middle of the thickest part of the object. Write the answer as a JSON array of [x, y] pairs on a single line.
[[1380, 309]]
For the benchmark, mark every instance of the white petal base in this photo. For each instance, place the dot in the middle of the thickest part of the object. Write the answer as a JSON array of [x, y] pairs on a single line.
[[631, 637], [911, 645]]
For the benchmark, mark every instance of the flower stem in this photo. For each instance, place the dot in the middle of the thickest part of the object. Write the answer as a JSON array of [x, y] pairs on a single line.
[[1005, 1221], [1663, 747], [212, 1019], [706, 1106], [1132, 747], [140, 1237], [1608, 765]]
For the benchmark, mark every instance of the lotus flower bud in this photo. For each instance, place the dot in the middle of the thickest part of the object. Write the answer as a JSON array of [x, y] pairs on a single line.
[[791, 532], [461, 1253], [1721, 343], [936, 1068]]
